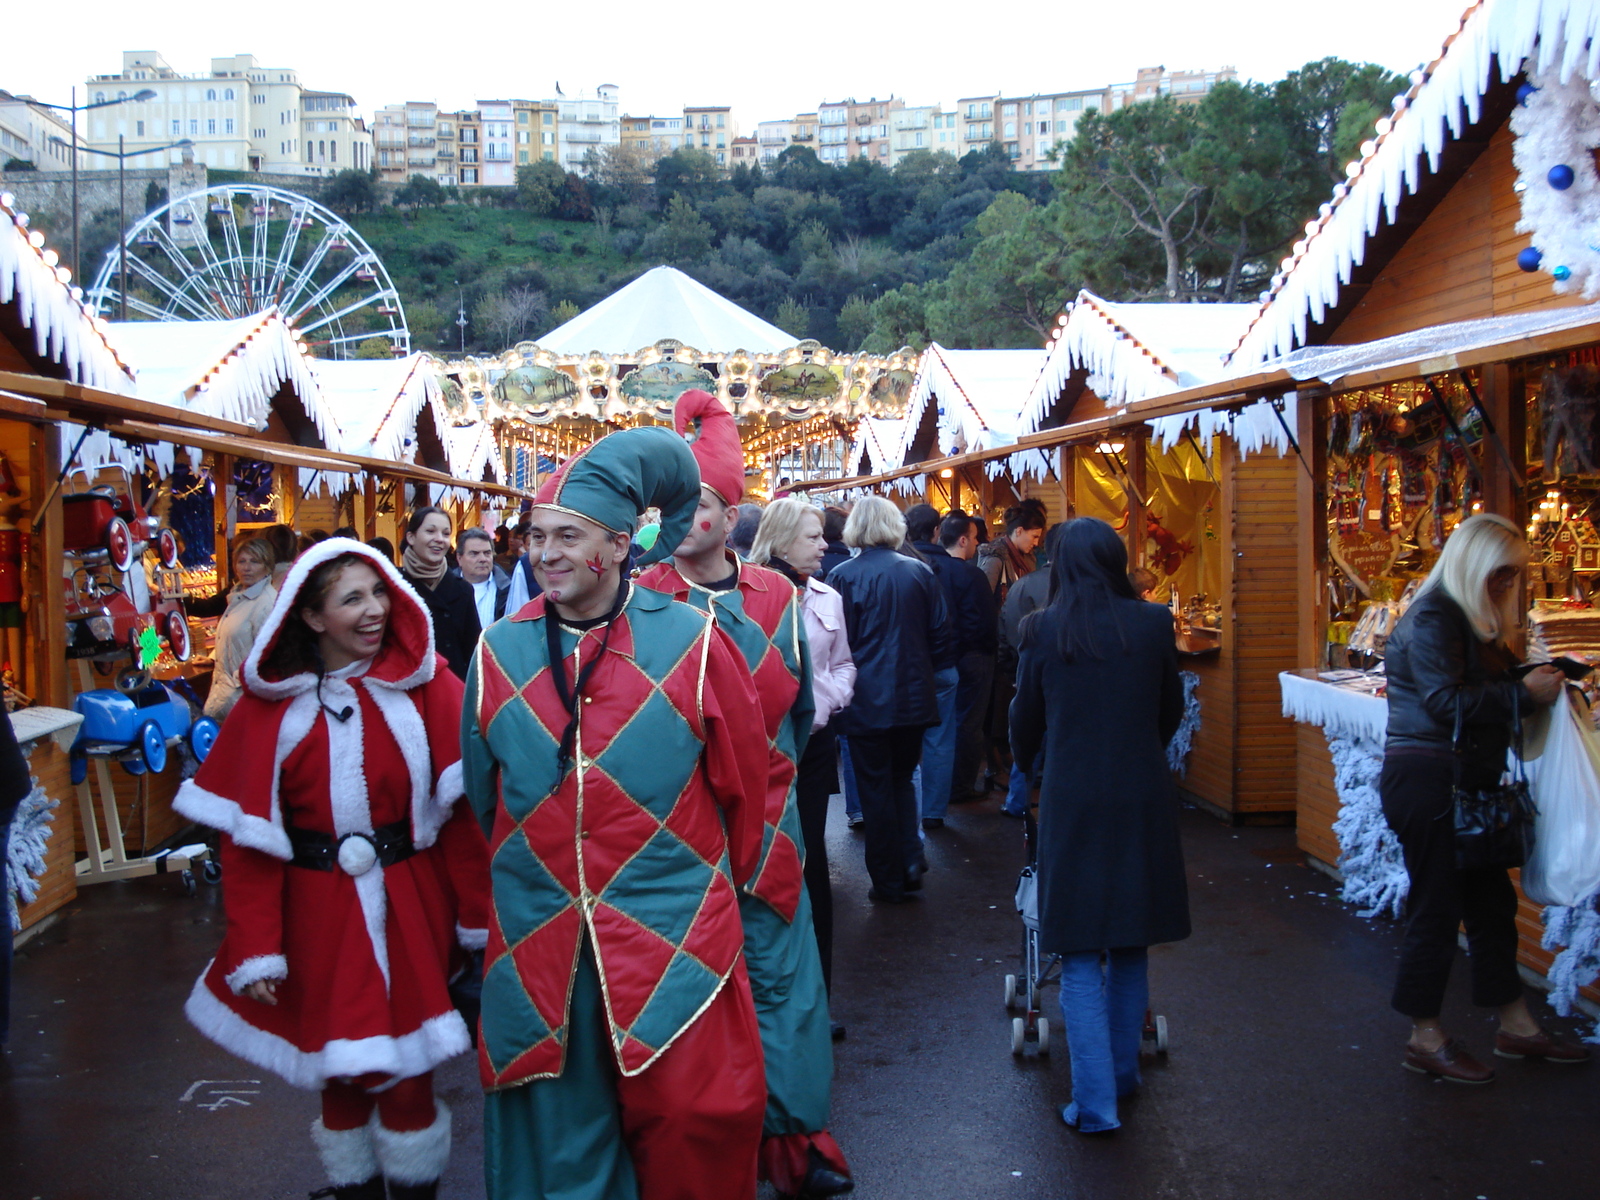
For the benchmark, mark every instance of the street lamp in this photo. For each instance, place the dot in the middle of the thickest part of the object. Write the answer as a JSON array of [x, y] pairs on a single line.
[[75, 108], [121, 155]]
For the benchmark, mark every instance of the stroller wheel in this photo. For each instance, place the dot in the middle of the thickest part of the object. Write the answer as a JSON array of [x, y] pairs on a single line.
[[1044, 1037], [1161, 1036], [1019, 1035], [1011, 991]]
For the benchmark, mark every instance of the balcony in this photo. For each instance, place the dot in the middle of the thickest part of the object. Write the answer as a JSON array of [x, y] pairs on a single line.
[[582, 135], [414, 140], [772, 139], [446, 154], [803, 135], [419, 160], [975, 133], [863, 118], [864, 136]]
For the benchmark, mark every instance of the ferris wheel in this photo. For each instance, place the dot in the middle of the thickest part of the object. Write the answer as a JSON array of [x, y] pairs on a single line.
[[235, 249]]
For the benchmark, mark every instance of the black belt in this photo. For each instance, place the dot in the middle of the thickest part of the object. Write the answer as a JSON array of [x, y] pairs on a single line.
[[320, 851]]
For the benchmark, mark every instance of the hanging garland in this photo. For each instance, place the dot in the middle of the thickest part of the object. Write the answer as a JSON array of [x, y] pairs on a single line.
[[1178, 747], [24, 862], [1557, 128], [1575, 933]]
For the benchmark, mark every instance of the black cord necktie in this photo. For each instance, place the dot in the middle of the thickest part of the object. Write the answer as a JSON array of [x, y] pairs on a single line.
[[558, 673]]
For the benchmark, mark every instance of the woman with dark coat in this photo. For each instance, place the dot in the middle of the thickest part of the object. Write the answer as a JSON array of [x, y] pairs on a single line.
[[1447, 653], [1098, 694], [425, 559], [897, 626]]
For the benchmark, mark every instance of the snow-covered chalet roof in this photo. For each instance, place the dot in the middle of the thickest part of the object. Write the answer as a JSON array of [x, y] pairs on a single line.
[[878, 442], [1445, 97], [376, 401], [50, 308], [666, 303], [980, 396]]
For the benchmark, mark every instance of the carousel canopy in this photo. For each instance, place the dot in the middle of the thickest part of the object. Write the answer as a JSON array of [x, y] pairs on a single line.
[[50, 312], [665, 303]]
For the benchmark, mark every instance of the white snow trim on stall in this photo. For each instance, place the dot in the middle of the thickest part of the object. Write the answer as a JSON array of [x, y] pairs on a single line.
[[1574, 933], [1340, 712], [1183, 738], [64, 329], [229, 369], [878, 440], [24, 864], [377, 401], [1253, 428], [1445, 97], [470, 450], [980, 394]]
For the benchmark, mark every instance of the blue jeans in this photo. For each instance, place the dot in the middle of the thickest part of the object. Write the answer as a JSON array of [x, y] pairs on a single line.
[[847, 773], [1017, 789], [937, 769], [1104, 996]]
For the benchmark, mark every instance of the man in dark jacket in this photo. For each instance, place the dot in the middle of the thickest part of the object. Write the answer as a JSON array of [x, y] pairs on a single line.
[[976, 627]]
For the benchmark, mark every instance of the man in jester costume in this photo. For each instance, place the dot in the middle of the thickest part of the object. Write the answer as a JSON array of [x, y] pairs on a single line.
[[613, 749], [759, 609]]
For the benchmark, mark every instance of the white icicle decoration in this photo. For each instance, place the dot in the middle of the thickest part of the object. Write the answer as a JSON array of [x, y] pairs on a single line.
[[24, 863], [1575, 933]]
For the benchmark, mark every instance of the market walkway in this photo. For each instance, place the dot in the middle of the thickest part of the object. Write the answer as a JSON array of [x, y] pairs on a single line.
[[1283, 1079]]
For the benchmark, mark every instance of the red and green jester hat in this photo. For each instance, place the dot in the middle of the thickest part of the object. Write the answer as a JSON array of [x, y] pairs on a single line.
[[638, 835]]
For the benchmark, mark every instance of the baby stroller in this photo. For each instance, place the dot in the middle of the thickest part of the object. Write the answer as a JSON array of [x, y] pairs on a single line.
[[1023, 989]]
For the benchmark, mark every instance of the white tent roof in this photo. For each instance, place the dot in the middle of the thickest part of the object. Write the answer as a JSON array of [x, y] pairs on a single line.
[[376, 401], [52, 310], [982, 393], [665, 303]]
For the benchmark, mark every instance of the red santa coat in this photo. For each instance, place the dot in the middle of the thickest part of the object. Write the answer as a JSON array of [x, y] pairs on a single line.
[[364, 959]]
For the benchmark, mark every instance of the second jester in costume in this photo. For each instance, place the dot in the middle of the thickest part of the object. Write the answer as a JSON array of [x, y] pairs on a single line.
[[759, 610], [613, 749]]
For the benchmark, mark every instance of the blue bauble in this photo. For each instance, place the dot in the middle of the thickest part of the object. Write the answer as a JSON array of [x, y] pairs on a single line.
[[1524, 92], [1560, 177], [1528, 260], [1562, 274]]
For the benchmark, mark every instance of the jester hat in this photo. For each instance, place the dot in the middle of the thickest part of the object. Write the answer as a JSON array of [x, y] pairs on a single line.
[[716, 444], [620, 476]]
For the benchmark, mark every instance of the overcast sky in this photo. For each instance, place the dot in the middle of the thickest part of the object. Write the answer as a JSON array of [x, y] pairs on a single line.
[[767, 60]]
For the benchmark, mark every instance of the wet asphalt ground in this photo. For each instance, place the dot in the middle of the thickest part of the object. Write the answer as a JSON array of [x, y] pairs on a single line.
[[1283, 1078]]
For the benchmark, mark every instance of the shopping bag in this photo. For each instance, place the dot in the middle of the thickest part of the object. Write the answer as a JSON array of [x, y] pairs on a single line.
[[1028, 897], [1564, 868]]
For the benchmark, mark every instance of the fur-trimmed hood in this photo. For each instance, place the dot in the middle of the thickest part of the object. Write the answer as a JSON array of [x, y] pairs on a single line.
[[407, 658]]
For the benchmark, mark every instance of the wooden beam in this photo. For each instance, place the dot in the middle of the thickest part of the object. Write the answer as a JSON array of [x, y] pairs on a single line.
[[93, 406], [1311, 531], [369, 507], [222, 515], [48, 616]]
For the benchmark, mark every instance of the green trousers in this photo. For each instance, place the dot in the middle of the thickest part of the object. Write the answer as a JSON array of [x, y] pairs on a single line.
[[792, 1011]]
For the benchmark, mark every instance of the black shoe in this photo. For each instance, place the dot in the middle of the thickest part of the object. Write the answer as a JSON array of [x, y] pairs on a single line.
[[933, 822], [372, 1189], [914, 874], [413, 1191], [891, 897], [837, 1031], [823, 1180]]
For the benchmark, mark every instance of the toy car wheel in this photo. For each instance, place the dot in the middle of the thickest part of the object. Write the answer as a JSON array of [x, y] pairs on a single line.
[[1044, 1037], [119, 543], [1011, 991], [167, 547], [178, 635], [78, 767], [211, 871], [188, 882], [202, 736], [1019, 1035], [132, 764], [153, 746]]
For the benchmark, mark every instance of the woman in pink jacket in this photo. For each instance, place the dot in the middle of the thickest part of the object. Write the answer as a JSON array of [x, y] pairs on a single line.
[[789, 539]]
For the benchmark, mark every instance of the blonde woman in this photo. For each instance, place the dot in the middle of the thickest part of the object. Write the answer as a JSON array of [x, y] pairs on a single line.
[[1449, 652], [249, 603], [789, 539], [899, 630]]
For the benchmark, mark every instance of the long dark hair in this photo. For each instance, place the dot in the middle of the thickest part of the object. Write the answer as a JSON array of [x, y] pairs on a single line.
[[295, 649], [1088, 570]]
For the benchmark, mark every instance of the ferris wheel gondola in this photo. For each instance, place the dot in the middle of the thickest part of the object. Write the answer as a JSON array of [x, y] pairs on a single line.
[[235, 249]]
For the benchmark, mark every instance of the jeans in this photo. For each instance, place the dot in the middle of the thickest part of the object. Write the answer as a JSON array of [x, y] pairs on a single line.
[[1104, 996], [884, 762], [933, 775], [847, 777], [1017, 789]]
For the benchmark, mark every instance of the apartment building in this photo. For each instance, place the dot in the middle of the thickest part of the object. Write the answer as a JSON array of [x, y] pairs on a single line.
[[469, 148], [1032, 128], [774, 137], [655, 137], [710, 128], [405, 140], [744, 151], [241, 116], [911, 128], [585, 123], [850, 129], [1186, 87], [31, 133], [975, 123]]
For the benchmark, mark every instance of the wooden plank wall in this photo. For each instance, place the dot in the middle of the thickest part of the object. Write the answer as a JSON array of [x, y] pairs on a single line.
[[1264, 630], [1210, 773], [59, 886], [1461, 263], [1319, 801]]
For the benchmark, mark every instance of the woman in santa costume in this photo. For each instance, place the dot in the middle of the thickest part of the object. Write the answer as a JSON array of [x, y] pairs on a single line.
[[355, 883]]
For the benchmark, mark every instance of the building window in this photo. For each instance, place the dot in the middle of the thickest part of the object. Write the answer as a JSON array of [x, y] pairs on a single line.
[[227, 124], [194, 127], [211, 126], [522, 137], [333, 152], [227, 94], [522, 156], [211, 93], [1069, 104], [522, 116], [918, 139], [469, 175], [310, 154], [1044, 126], [548, 117], [1011, 129], [177, 128], [138, 129], [99, 97]]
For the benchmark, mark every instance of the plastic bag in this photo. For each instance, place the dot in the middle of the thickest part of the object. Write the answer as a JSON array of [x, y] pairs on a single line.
[[1028, 897], [1564, 868]]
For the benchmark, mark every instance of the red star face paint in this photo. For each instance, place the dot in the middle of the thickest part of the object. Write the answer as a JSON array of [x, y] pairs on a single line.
[[595, 564]]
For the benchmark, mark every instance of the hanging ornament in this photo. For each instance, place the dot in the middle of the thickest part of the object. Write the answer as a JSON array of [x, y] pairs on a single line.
[[1525, 92], [1560, 177], [1557, 129], [1529, 259], [1561, 274]]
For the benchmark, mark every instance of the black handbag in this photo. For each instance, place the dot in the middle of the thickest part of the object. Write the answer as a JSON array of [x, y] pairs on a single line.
[[1494, 825]]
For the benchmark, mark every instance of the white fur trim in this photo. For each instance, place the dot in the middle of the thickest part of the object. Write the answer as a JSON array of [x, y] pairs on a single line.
[[254, 970], [451, 787], [472, 939], [294, 685], [416, 1157], [405, 724], [208, 808], [347, 793], [436, 1040], [348, 1155]]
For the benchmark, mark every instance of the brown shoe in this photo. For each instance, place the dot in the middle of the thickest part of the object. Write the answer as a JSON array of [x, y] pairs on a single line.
[[1540, 1045], [1450, 1061]]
